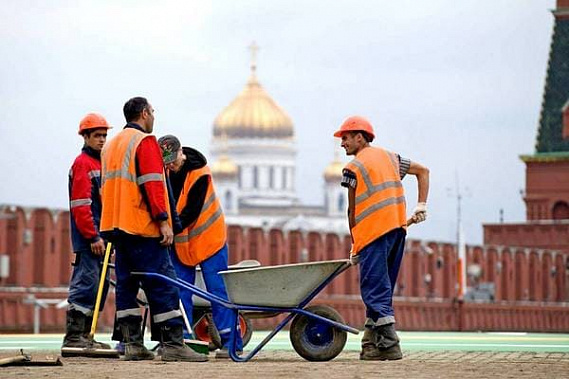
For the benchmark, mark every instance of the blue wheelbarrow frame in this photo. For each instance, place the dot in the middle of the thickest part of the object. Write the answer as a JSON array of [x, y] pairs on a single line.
[[292, 311]]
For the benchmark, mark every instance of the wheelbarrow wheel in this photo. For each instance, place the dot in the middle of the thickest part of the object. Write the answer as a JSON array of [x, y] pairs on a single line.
[[205, 330], [315, 340]]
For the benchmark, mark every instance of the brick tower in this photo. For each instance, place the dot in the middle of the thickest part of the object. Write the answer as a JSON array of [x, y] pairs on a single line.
[[547, 170]]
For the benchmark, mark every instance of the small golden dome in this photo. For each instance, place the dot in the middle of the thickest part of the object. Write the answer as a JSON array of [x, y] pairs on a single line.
[[253, 113], [333, 172], [224, 168]]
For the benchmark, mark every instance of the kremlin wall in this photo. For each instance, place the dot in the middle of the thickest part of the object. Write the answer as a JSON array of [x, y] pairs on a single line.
[[530, 286]]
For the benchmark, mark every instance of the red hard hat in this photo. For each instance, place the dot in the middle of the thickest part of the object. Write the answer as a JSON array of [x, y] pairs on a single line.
[[355, 124], [93, 121]]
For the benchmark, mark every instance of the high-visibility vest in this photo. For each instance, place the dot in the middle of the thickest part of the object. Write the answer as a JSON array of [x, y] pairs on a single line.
[[207, 235], [124, 207], [380, 199]]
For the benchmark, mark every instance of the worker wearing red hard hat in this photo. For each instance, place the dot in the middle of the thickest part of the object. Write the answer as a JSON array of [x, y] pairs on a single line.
[[88, 246], [378, 223]]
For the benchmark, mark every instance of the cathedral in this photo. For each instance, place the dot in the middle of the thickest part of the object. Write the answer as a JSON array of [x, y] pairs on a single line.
[[253, 151]]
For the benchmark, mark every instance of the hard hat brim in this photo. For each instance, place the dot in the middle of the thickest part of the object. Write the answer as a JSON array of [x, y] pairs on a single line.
[[81, 131]]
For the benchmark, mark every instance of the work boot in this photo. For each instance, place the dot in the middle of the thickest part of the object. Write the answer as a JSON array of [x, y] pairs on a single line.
[[386, 343], [87, 331], [173, 346], [74, 329], [134, 349], [368, 343]]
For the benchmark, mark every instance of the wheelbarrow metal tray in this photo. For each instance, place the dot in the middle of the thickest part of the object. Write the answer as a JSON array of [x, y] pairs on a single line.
[[282, 286], [200, 283]]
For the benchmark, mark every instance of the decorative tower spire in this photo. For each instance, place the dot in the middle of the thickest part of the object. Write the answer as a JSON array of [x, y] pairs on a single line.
[[550, 135]]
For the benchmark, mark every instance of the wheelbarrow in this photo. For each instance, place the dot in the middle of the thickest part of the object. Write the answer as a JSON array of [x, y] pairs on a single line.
[[317, 333]]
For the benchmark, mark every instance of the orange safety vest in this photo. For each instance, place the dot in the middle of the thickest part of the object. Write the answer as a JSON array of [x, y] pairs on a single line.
[[380, 199], [207, 235], [124, 208]]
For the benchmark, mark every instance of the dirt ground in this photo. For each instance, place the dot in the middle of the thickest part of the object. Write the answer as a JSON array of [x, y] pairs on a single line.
[[285, 364]]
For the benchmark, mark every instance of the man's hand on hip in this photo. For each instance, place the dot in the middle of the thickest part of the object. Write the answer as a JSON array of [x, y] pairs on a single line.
[[420, 213], [167, 233]]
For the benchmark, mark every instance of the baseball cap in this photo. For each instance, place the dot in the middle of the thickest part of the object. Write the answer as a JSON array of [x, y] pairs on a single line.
[[170, 146]]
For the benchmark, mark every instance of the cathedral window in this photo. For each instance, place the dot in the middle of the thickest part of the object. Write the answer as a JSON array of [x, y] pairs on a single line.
[[255, 177], [341, 203], [271, 177], [239, 173], [228, 200]]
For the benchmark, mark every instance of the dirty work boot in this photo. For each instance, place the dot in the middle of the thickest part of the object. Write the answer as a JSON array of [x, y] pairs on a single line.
[[74, 328], [134, 349], [368, 343], [87, 331], [386, 342], [173, 347]]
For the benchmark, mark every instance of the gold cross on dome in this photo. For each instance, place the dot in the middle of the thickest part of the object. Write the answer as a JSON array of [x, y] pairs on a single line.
[[254, 50]]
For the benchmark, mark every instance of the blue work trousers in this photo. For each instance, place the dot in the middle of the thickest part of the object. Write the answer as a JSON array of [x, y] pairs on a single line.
[[135, 253], [85, 282], [379, 266], [223, 317]]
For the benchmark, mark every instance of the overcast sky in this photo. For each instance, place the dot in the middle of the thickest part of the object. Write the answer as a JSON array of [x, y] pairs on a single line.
[[454, 85]]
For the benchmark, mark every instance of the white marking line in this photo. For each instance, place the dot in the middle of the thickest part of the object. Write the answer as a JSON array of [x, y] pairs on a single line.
[[480, 345], [508, 333], [31, 342], [284, 343]]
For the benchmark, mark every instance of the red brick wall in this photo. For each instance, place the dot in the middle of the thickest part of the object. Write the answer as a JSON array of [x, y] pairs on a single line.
[[37, 242]]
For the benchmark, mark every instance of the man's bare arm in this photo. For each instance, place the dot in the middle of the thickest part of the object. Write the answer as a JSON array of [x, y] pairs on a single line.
[[422, 174], [352, 207]]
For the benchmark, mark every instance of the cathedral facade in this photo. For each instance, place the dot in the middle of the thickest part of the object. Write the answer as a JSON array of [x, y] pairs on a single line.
[[253, 151]]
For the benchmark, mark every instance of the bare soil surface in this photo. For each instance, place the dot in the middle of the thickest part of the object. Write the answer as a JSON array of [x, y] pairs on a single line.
[[285, 364]]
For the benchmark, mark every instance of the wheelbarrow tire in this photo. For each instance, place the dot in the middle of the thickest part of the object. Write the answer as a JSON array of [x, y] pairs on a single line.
[[315, 340], [215, 343], [246, 334]]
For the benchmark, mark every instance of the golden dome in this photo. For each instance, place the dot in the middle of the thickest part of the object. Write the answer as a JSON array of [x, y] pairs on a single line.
[[253, 113], [334, 171], [224, 168]]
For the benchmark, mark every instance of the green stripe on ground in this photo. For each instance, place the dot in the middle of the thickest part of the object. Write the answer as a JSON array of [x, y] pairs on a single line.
[[410, 341]]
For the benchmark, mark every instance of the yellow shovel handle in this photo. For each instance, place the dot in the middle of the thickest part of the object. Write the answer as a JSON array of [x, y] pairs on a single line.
[[100, 291]]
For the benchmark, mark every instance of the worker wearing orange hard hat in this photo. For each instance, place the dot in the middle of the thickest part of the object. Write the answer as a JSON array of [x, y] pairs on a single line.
[[88, 245], [378, 223]]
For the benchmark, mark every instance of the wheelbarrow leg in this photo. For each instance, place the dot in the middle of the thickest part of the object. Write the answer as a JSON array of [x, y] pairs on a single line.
[[257, 348]]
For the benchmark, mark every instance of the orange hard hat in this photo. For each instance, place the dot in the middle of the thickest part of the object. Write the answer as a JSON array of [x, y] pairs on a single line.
[[93, 121], [355, 124]]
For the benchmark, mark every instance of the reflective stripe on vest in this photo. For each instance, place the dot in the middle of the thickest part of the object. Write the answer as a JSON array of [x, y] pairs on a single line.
[[124, 207], [207, 235], [380, 199]]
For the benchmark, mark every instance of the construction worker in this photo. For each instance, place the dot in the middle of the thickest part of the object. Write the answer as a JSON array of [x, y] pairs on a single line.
[[203, 238], [378, 222], [137, 219], [88, 245]]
